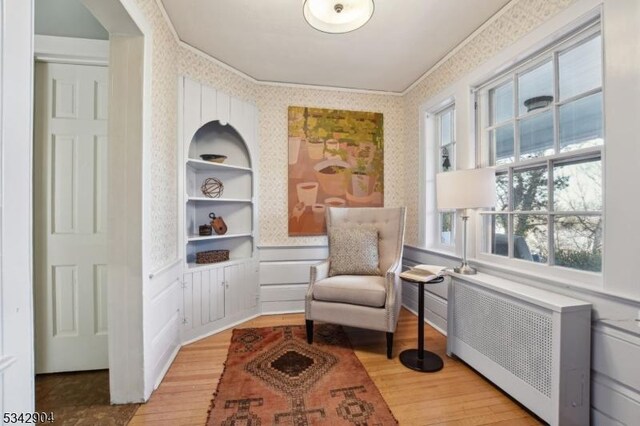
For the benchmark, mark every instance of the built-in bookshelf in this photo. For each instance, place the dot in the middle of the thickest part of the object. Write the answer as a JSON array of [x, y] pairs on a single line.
[[219, 293]]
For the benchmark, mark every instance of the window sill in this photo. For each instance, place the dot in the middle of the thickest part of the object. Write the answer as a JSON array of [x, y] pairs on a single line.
[[547, 282], [530, 278]]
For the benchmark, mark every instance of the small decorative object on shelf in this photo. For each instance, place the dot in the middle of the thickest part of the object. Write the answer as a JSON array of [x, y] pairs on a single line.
[[217, 223], [212, 256], [205, 230], [214, 158], [212, 187]]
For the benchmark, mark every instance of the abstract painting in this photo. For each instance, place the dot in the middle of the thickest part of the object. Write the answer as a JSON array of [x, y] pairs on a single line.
[[335, 160]]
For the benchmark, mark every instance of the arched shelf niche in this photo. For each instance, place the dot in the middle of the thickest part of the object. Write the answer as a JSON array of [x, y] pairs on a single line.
[[215, 137], [222, 292]]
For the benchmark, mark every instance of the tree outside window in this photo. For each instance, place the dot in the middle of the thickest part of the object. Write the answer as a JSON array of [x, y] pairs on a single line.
[[544, 134]]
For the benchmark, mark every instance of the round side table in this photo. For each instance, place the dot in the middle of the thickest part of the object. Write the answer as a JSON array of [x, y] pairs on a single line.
[[420, 359]]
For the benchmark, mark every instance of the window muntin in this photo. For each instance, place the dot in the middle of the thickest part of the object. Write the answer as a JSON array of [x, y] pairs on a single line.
[[548, 157], [446, 137]]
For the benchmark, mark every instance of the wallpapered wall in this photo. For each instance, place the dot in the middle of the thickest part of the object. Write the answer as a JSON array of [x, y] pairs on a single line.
[[516, 19], [272, 102], [161, 234], [400, 122]]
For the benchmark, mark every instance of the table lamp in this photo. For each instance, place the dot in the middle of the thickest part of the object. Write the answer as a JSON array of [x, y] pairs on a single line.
[[466, 189]]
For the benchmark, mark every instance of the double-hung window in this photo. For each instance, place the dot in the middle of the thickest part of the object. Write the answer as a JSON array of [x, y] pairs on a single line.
[[446, 146], [541, 125]]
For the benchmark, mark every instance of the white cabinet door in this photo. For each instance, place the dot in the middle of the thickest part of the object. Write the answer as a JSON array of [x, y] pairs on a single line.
[[242, 291], [70, 216], [203, 297]]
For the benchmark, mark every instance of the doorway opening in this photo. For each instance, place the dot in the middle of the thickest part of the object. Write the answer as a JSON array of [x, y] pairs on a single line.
[[88, 146]]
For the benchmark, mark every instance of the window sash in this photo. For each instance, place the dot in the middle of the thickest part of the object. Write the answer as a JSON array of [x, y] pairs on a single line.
[[487, 154], [450, 146]]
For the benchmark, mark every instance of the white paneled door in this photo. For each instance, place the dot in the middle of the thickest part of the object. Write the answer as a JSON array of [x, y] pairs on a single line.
[[70, 216]]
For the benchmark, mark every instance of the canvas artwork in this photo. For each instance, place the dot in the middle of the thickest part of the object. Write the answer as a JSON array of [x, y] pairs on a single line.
[[335, 159]]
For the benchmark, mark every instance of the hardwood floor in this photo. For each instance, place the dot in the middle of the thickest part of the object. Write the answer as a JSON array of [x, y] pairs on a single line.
[[456, 395]]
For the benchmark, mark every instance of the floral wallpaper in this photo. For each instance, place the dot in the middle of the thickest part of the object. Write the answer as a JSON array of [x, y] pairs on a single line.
[[273, 102], [516, 19], [400, 122], [162, 162]]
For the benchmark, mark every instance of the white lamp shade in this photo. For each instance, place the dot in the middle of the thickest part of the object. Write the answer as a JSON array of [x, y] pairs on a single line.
[[466, 189], [323, 15]]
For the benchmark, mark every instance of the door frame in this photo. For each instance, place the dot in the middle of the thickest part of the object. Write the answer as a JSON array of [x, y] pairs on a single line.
[[16, 241], [129, 132], [16, 282], [128, 145], [67, 51]]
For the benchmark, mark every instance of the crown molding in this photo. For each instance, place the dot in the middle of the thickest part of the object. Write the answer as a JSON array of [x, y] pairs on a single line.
[[255, 81]]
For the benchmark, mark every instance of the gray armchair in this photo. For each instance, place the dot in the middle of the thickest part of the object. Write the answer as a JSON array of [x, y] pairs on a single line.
[[365, 301]]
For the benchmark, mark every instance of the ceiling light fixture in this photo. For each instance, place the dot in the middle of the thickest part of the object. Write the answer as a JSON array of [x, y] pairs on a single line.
[[338, 16]]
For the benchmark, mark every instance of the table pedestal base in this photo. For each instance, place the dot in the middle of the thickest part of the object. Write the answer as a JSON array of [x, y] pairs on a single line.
[[429, 363]]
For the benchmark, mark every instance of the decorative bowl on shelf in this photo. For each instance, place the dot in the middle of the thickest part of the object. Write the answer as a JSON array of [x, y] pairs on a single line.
[[214, 158]]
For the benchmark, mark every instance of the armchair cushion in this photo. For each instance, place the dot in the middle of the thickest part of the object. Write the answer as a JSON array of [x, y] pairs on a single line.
[[353, 250], [365, 290]]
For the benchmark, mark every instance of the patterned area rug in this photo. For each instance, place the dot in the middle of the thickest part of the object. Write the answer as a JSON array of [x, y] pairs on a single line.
[[273, 377]]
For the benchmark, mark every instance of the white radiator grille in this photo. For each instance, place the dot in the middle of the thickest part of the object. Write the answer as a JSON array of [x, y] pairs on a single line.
[[511, 334]]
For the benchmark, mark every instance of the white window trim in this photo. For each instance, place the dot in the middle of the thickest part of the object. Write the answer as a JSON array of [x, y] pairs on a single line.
[[429, 152], [437, 156], [552, 272]]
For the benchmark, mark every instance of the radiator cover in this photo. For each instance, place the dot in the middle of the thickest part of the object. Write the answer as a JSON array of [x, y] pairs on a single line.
[[533, 344]]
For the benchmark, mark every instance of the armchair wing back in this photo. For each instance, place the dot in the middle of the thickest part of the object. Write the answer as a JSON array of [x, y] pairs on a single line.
[[365, 301]]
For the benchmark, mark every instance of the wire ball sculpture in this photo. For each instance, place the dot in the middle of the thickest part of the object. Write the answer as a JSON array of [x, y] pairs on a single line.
[[212, 187]]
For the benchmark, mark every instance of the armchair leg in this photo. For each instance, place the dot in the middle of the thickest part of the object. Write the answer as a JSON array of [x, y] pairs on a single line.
[[309, 331], [389, 345]]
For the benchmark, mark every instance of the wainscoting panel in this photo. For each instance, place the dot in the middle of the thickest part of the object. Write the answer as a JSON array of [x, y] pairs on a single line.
[[435, 307], [435, 300], [162, 320], [284, 276], [616, 378]]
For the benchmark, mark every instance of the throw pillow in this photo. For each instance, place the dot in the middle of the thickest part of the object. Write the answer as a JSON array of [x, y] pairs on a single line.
[[353, 251]]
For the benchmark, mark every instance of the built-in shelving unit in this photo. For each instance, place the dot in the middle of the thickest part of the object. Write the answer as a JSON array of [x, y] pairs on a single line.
[[212, 122]]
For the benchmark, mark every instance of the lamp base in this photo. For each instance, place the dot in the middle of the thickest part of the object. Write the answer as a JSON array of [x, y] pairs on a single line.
[[465, 270]]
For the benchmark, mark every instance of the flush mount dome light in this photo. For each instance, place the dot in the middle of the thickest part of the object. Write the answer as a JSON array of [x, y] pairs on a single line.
[[337, 16]]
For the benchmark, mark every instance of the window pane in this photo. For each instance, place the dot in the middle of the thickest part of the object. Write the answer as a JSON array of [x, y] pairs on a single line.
[[536, 136], [578, 186], [447, 157], [581, 123], [580, 68], [502, 192], [496, 234], [530, 189], [502, 140], [530, 237], [446, 227], [578, 242], [533, 85], [446, 124], [501, 99]]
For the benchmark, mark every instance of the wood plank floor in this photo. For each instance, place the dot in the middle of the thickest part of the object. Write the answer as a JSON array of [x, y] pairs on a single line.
[[456, 395]]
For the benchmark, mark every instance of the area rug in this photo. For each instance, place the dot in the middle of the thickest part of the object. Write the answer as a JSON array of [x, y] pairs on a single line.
[[273, 377]]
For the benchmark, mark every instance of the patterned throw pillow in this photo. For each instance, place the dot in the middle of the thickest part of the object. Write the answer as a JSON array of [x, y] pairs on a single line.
[[353, 251]]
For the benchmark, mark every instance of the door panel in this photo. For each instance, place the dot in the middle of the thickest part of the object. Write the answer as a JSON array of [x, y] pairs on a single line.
[[70, 215]]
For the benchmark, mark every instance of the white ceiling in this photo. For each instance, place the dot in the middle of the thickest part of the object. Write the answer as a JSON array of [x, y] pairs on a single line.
[[270, 40]]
